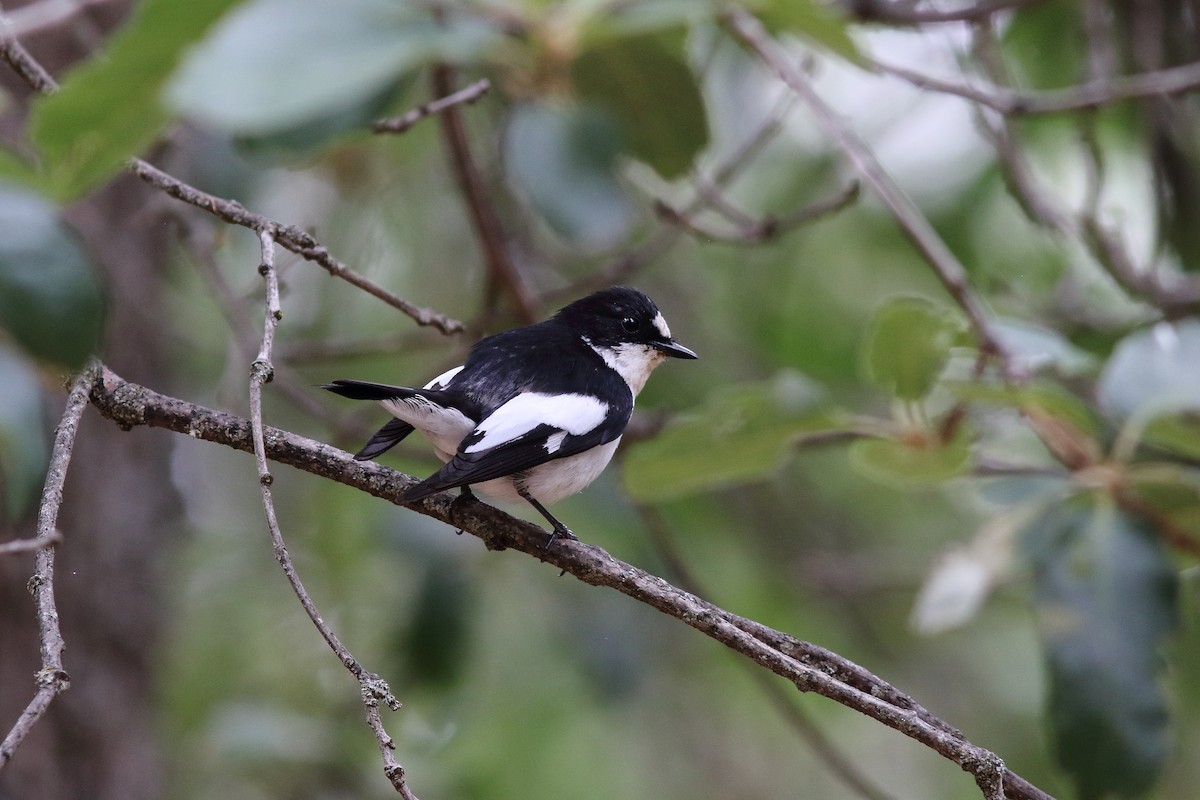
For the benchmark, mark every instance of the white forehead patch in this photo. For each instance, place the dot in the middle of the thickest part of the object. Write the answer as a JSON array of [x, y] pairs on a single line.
[[661, 323]]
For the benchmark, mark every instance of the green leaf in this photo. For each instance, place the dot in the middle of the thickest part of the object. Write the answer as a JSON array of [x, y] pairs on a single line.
[[50, 301], [1105, 594], [108, 109], [564, 159], [910, 465], [646, 82], [743, 433], [907, 345], [819, 22], [23, 450], [1153, 371], [275, 65]]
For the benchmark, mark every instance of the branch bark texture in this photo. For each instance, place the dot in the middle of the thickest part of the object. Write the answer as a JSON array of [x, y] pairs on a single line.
[[809, 667]]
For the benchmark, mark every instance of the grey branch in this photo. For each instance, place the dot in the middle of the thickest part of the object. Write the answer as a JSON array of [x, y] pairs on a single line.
[[915, 226], [465, 96], [372, 688], [290, 237], [1084, 97], [52, 680], [807, 666]]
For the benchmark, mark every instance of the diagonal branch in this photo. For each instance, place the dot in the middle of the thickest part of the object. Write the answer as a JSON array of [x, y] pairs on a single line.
[[373, 688], [913, 223], [290, 237], [464, 96], [809, 667], [52, 680], [502, 272]]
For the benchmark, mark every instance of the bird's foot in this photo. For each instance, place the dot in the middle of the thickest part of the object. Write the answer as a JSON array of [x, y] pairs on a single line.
[[465, 496]]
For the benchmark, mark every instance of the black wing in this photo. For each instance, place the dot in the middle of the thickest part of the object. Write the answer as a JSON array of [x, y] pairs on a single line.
[[384, 439], [539, 444]]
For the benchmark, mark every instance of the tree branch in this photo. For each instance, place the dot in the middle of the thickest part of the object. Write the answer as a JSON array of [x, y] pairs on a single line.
[[809, 667], [404, 122], [52, 680], [373, 688], [915, 226], [290, 237], [502, 272]]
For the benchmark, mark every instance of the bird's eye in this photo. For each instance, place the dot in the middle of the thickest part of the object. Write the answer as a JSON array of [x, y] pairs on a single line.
[[630, 324]]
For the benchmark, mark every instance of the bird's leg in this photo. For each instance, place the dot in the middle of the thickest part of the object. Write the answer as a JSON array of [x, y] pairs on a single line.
[[465, 495], [558, 529]]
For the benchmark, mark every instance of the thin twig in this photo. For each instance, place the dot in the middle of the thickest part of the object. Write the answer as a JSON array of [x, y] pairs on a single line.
[[374, 689], [756, 231], [1172, 298], [52, 680], [915, 226], [290, 237], [466, 96], [25, 65], [502, 272], [809, 667], [30, 545], [1083, 97]]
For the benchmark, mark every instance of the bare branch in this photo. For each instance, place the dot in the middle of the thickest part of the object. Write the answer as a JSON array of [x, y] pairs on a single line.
[[809, 667], [1084, 97], [403, 123], [756, 231], [290, 237], [502, 272], [17, 57], [374, 689], [52, 680], [30, 545], [915, 226]]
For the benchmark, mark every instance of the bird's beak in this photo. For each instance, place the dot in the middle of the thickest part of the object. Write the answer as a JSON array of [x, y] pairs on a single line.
[[674, 349]]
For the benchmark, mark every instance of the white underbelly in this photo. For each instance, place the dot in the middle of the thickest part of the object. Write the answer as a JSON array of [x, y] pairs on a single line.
[[550, 482]]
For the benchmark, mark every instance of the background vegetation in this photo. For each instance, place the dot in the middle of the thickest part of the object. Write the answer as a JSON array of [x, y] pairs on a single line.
[[952, 438]]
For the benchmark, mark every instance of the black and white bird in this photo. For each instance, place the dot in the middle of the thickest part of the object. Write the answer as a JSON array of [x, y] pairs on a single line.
[[536, 412]]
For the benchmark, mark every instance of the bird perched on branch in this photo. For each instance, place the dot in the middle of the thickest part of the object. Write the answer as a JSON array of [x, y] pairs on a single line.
[[536, 412]]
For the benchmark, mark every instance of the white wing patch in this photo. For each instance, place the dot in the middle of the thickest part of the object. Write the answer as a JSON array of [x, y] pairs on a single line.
[[575, 414], [443, 380]]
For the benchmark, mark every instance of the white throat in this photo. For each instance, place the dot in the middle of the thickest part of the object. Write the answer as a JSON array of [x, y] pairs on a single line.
[[633, 362]]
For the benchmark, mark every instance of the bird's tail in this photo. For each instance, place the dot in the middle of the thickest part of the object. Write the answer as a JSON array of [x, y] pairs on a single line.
[[391, 433]]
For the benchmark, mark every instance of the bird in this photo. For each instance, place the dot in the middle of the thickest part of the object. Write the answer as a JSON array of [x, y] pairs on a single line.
[[535, 413]]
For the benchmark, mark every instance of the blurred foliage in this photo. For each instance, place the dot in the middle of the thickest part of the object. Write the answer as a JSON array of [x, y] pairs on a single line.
[[1007, 543]]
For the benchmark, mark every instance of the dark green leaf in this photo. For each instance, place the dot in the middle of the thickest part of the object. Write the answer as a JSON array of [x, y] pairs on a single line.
[[274, 65], [108, 110], [564, 159], [742, 434], [646, 82], [907, 345], [1106, 600], [910, 465], [50, 301]]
